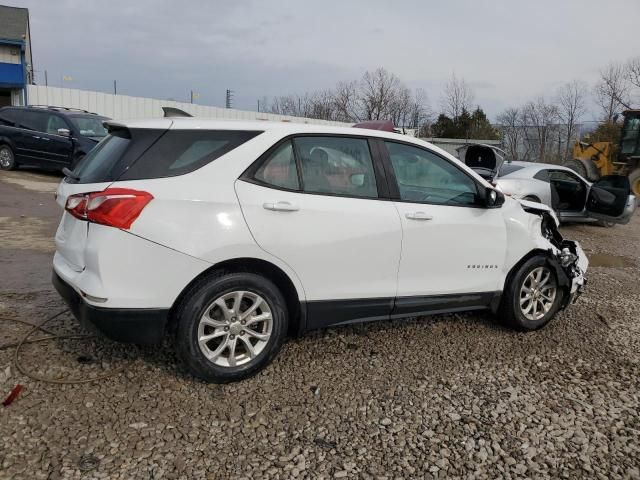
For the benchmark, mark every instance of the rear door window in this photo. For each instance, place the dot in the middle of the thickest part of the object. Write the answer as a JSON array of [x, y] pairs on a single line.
[[336, 166], [33, 120], [182, 151], [8, 116]]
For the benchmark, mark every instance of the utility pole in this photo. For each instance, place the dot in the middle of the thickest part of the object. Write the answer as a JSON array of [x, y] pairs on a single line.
[[229, 100], [258, 105], [46, 79], [115, 87], [191, 96]]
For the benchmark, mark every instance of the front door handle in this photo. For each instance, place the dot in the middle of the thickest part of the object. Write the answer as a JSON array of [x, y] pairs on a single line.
[[280, 207], [418, 216]]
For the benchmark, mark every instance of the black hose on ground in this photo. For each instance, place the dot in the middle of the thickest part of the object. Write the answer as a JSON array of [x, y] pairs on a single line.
[[52, 335]]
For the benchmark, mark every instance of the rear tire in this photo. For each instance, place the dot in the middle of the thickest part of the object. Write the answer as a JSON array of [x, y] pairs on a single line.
[[588, 171], [218, 340], [531, 297], [7, 158]]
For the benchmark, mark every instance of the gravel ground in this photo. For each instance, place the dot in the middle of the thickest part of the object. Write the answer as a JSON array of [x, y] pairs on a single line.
[[448, 396]]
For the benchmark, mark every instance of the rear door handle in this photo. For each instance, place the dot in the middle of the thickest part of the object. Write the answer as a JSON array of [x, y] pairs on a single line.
[[280, 207], [418, 216]]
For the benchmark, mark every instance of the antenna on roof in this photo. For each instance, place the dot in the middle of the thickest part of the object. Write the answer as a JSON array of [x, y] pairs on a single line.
[[175, 112]]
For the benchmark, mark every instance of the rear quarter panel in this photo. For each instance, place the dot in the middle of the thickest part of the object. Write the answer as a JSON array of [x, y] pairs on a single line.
[[198, 214]]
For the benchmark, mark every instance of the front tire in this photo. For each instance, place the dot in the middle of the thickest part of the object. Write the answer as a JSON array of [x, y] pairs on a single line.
[[230, 326], [532, 296], [7, 158]]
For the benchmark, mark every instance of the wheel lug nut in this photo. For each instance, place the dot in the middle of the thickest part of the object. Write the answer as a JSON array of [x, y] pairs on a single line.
[[242, 332], [232, 337], [243, 322], [226, 329]]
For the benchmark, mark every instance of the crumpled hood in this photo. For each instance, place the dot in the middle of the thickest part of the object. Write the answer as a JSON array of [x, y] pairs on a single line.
[[535, 207]]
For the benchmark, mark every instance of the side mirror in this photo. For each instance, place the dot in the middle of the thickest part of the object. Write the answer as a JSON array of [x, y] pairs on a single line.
[[65, 132], [493, 198]]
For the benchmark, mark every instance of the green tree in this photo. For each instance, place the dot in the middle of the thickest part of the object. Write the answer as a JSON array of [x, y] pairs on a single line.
[[467, 125], [608, 131]]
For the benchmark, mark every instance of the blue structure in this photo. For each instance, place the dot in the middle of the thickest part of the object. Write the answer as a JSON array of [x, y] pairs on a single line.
[[16, 63]]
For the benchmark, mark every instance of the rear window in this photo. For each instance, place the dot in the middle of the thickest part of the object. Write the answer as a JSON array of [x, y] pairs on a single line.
[[140, 154], [508, 168], [113, 154], [182, 151]]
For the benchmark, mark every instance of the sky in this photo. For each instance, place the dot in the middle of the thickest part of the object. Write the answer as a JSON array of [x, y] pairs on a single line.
[[508, 51]]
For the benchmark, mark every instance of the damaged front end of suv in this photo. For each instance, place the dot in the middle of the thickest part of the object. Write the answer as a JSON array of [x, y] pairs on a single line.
[[565, 256]]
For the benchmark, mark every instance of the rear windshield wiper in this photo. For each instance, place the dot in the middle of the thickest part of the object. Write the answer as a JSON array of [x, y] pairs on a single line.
[[70, 174]]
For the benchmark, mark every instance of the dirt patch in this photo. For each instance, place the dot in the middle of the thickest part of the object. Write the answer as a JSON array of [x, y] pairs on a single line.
[[39, 182], [26, 233]]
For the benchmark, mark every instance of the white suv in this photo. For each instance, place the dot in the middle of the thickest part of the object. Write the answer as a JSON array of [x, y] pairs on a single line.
[[229, 235]]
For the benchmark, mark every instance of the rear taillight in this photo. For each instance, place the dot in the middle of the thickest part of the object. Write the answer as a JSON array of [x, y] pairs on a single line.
[[114, 207]]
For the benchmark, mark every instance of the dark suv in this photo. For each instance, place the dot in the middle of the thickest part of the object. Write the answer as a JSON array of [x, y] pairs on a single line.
[[49, 137]]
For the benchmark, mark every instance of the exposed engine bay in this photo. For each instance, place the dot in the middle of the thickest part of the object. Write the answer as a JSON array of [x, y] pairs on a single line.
[[568, 259]]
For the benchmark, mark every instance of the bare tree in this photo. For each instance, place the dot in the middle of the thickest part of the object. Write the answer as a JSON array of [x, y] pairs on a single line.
[[377, 92], [633, 71], [541, 123], [457, 97], [571, 107], [511, 126], [419, 111], [400, 106], [612, 90], [345, 98]]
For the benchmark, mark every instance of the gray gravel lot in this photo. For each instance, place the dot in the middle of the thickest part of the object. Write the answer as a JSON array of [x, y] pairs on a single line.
[[448, 396]]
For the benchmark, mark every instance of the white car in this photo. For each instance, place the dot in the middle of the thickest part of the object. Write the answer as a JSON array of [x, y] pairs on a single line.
[[564, 190], [229, 235], [561, 188]]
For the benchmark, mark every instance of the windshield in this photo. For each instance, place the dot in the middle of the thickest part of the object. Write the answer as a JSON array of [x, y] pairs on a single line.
[[630, 134], [89, 125]]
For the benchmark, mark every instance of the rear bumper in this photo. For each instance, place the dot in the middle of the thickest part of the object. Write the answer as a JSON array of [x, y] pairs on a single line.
[[130, 325]]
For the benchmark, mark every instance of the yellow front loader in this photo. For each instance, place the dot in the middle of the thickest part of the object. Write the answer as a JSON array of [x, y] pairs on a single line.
[[594, 160]]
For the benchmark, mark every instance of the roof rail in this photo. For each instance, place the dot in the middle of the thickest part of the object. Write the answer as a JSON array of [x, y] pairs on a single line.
[[68, 109]]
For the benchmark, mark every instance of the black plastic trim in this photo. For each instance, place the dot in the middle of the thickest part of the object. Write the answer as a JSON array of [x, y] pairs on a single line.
[[325, 313], [144, 326], [410, 306]]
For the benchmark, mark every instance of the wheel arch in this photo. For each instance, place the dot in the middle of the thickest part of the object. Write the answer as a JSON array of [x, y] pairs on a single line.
[[297, 314], [563, 280], [4, 140]]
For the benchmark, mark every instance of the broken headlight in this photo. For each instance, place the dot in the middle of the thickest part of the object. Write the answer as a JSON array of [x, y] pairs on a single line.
[[567, 257]]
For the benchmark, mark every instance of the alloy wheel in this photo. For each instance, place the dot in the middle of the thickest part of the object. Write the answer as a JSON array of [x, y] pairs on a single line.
[[235, 328], [5, 157], [537, 294]]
